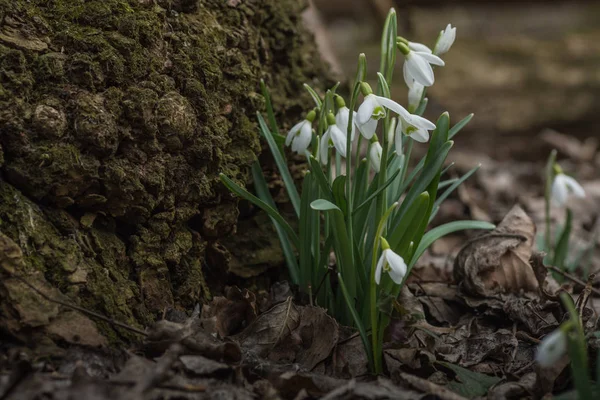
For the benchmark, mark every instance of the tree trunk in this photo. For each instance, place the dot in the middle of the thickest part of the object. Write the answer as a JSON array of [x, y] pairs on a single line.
[[116, 117]]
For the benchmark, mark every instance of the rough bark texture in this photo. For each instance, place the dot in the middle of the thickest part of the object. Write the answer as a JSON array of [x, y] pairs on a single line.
[[116, 117]]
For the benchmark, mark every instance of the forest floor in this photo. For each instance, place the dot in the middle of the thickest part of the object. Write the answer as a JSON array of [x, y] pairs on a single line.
[[475, 306]]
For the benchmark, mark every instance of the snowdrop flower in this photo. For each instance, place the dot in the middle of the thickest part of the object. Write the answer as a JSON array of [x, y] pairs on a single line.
[[333, 136], [445, 40], [342, 117], [562, 186], [415, 127], [551, 348], [375, 151], [391, 263], [417, 65], [415, 93], [300, 135], [414, 46]]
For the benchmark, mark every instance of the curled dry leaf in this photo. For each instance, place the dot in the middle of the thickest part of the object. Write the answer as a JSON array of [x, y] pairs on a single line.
[[229, 314], [498, 262]]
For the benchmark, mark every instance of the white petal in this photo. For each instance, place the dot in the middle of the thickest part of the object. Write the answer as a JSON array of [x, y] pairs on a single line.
[[398, 137], [573, 186], [445, 40], [366, 109], [302, 141], [341, 120], [551, 349], [293, 131], [375, 156], [421, 122], [392, 105], [559, 190], [410, 82], [339, 140], [324, 148], [419, 69], [397, 266], [418, 47], [420, 135], [432, 59], [415, 93], [368, 129], [379, 269]]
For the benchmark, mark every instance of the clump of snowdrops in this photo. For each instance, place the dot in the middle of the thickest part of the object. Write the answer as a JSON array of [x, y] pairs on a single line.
[[371, 212]]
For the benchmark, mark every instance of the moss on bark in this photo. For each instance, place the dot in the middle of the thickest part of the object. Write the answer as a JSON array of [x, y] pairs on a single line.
[[116, 117]]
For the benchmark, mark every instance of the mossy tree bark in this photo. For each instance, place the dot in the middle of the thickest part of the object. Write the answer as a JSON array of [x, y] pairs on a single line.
[[116, 117]]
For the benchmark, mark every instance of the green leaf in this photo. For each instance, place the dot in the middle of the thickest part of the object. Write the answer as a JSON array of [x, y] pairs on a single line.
[[385, 89], [562, 247], [314, 95], [373, 195], [324, 205], [339, 187], [422, 106], [446, 229], [447, 192], [400, 238], [468, 383], [281, 165], [456, 128], [306, 234], [262, 191], [269, 104], [243, 193], [320, 178]]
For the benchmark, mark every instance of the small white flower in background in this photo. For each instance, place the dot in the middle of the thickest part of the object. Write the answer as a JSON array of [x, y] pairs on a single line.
[[300, 135], [391, 263], [564, 185], [333, 136], [415, 93], [342, 117], [551, 348], [375, 151], [417, 65], [445, 40]]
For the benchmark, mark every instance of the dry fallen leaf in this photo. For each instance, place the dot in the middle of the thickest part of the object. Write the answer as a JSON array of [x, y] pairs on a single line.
[[498, 262]]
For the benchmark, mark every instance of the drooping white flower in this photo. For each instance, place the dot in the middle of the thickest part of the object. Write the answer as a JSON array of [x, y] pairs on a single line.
[[551, 348], [415, 127], [375, 151], [419, 47], [333, 137], [391, 263], [562, 186], [415, 93], [445, 40], [341, 120], [417, 66], [300, 135], [372, 109]]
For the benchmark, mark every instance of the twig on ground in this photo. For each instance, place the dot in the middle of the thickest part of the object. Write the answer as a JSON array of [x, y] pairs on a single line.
[[571, 277]]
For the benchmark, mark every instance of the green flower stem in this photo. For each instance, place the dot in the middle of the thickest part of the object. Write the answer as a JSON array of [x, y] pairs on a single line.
[[377, 359], [547, 196]]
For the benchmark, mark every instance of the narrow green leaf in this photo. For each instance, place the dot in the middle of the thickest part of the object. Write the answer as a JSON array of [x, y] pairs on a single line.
[[447, 192], [324, 205], [281, 165], [456, 128], [316, 98], [444, 230], [269, 105], [422, 106], [400, 237], [320, 178], [562, 247], [262, 191], [243, 193], [339, 188], [385, 89], [306, 234], [373, 195]]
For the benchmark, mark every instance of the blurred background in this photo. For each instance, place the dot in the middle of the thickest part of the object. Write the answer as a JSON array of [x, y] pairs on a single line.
[[529, 71]]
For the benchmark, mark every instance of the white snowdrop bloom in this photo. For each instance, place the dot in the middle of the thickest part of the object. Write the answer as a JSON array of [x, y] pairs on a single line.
[[419, 47], [372, 109], [300, 135], [417, 66], [551, 348], [375, 151], [415, 127], [391, 263], [564, 185], [341, 120], [333, 137], [415, 93], [445, 40]]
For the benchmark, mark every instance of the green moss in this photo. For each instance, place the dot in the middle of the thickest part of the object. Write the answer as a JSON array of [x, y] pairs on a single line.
[[124, 113]]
